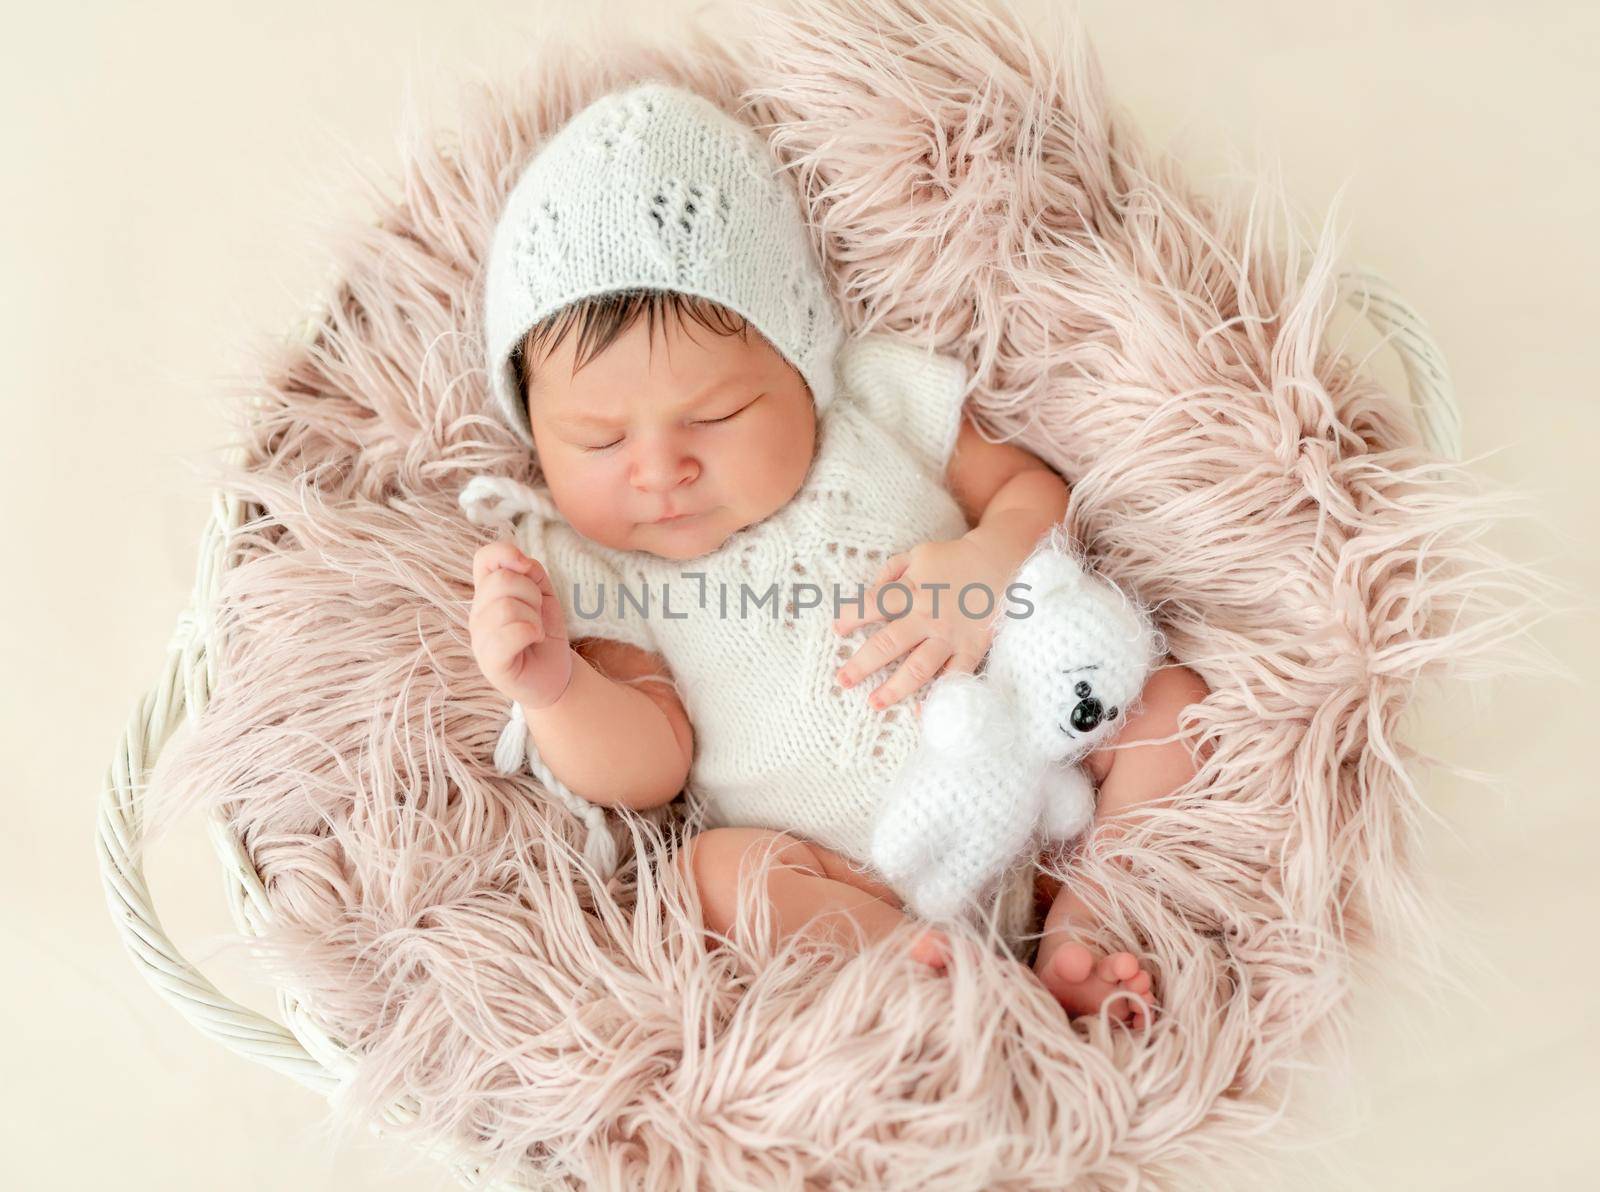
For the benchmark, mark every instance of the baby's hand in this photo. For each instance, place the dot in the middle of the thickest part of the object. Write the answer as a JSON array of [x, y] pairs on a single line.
[[519, 631], [939, 636]]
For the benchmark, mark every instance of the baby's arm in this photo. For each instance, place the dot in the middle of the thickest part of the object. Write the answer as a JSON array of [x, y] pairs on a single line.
[[1009, 495], [618, 735]]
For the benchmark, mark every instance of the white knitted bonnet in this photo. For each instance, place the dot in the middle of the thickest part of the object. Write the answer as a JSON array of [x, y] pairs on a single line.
[[655, 187]]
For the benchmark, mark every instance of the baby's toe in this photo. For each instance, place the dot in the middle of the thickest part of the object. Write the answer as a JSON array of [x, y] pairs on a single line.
[[1072, 963], [1136, 997], [1119, 966], [932, 949]]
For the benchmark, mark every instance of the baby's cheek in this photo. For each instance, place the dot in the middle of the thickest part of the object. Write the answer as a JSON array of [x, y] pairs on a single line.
[[590, 497], [772, 465], [768, 444]]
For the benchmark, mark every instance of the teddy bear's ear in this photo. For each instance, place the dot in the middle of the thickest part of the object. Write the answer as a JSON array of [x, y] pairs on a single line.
[[1050, 569]]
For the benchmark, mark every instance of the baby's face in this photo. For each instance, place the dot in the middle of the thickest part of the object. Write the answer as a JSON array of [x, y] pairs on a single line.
[[671, 439]]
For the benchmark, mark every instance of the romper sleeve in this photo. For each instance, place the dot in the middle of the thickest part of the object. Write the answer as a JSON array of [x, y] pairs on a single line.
[[914, 393], [588, 584]]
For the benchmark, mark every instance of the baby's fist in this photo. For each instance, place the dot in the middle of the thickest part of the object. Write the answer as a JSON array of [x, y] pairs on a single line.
[[519, 632]]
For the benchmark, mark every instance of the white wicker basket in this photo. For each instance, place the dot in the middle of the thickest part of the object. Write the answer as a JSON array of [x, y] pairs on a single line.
[[298, 1047]]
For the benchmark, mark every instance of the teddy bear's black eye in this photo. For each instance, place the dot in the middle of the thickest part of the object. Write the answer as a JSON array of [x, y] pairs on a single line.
[[1082, 689], [1111, 713]]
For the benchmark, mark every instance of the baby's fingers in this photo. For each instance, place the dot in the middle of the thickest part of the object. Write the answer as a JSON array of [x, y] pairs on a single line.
[[511, 610], [962, 662], [919, 668], [882, 648], [873, 602], [507, 643], [517, 593], [497, 556]]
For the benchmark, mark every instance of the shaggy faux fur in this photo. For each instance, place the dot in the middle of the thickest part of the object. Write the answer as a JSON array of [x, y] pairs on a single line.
[[969, 186]]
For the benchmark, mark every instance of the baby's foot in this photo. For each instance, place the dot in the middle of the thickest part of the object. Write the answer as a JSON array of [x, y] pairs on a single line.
[[1081, 984]]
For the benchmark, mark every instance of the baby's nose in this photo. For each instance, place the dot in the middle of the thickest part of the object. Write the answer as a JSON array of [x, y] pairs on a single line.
[[658, 469]]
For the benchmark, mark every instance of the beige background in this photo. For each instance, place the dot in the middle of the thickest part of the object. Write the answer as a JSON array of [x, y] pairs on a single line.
[[164, 164]]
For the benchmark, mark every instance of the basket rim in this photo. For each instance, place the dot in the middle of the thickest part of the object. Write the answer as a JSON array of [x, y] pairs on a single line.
[[299, 1047]]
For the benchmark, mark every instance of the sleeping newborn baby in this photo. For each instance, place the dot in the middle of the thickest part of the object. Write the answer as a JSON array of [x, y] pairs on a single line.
[[752, 544]]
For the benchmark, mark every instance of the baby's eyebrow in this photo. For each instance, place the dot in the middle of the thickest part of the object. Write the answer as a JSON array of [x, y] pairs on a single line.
[[577, 418]]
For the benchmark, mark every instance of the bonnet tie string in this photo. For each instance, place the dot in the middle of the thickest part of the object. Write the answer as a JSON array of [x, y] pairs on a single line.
[[500, 502]]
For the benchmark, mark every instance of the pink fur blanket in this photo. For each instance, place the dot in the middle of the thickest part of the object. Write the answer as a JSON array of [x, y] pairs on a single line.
[[969, 186]]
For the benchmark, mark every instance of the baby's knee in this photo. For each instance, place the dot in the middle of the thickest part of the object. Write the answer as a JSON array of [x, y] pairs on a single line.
[[1152, 756], [1168, 691], [1173, 689]]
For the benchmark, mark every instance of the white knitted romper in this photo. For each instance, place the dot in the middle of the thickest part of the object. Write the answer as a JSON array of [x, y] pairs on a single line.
[[778, 743]]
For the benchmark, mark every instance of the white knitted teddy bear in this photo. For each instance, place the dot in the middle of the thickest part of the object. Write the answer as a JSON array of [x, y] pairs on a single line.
[[997, 762]]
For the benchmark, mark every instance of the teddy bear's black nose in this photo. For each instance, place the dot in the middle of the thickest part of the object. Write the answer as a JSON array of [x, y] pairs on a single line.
[[1088, 714]]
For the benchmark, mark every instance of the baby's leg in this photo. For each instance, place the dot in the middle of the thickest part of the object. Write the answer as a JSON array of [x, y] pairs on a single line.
[[811, 888], [1080, 979]]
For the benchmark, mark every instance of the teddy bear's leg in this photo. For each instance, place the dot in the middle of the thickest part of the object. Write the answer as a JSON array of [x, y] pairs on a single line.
[[1068, 802], [899, 846]]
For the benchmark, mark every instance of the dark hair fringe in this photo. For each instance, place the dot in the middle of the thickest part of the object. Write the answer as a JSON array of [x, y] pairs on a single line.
[[602, 318]]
